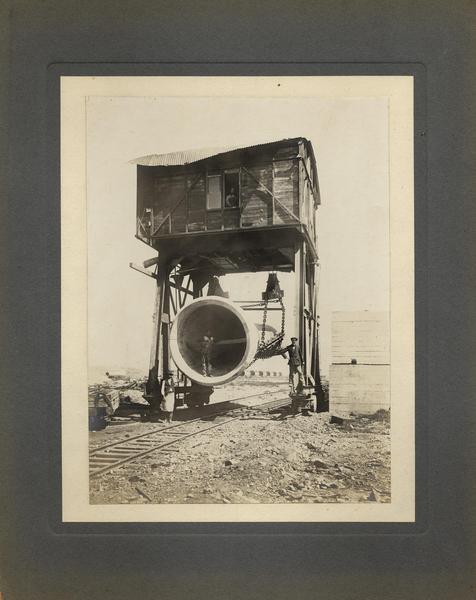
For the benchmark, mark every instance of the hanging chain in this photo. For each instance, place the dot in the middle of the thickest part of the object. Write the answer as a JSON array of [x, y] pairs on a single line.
[[273, 346], [263, 327], [283, 316]]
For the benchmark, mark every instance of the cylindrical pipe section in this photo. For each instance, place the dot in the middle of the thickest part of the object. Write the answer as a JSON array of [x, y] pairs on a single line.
[[212, 341]]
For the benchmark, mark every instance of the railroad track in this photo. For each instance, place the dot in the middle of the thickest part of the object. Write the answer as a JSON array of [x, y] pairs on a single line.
[[113, 455]]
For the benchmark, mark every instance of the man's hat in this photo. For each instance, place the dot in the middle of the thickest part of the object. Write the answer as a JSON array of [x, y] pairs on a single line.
[[294, 339]]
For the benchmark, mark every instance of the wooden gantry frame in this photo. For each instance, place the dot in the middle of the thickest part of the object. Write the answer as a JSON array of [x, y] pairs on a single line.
[[175, 288], [279, 197]]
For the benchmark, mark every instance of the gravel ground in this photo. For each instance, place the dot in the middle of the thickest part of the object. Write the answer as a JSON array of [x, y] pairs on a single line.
[[267, 457]]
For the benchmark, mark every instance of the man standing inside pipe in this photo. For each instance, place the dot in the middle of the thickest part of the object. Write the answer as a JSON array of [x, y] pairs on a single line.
[[295, 363], [206, 347]]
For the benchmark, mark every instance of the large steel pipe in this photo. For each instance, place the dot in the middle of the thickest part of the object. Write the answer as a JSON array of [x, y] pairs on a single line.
[[212, 341]]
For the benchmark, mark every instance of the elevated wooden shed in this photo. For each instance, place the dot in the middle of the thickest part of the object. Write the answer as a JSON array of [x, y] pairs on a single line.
[[194, 203]]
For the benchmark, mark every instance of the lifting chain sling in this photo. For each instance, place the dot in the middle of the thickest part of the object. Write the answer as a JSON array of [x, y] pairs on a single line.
[[267, 349]]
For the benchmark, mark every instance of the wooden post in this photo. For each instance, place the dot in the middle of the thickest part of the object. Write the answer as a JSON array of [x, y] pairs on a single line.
[[166, 325], [303, 341], [309, 288], [316, 368], [155, 350], [299, 320]]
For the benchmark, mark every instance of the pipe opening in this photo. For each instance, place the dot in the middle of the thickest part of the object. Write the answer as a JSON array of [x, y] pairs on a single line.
[[211, 341], [212, 334]]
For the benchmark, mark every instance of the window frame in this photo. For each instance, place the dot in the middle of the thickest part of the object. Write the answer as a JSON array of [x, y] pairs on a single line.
[[220, 176], [236, 171]]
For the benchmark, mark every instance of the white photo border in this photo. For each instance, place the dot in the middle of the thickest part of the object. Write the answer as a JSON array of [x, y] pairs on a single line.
[[74, 343]]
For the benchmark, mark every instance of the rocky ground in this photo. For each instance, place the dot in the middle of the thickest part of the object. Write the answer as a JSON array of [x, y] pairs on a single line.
[[266, 457]]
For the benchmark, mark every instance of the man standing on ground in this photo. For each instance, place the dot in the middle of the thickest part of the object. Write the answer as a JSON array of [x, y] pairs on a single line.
[[295, 363], [168, 397]]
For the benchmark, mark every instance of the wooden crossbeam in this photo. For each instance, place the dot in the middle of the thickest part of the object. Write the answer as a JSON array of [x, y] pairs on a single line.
[[285, 208], [167, 217], [142, 270], [170, 213], [181, 288], [173, 303], [139, 222], [189, 281], [154, 276]]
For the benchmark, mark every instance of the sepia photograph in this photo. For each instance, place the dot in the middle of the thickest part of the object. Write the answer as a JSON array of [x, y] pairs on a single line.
[[237, 276], [236, 301]]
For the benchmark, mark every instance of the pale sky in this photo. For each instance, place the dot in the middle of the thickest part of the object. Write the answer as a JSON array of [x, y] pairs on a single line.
[[350, 141]]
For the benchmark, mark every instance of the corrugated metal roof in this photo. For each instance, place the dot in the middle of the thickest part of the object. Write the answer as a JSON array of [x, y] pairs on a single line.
[[185, 157], [181, 157]]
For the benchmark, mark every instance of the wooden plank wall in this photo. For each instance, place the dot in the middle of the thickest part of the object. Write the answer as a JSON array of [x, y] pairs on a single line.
[[231, 218], [145, 198], [184, 194], [214, 220], [361, 389], [168, 192], [197, 202], [362, 335], [286, 189], [145, 189], [256, 202]]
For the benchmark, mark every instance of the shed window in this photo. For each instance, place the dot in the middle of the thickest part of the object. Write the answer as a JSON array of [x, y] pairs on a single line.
[[214, 192], [232, 189]]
